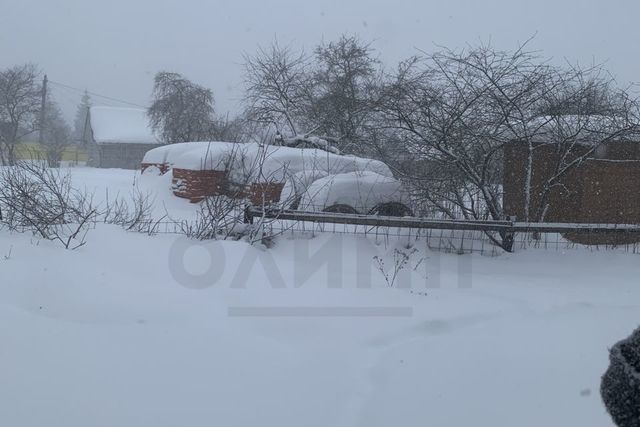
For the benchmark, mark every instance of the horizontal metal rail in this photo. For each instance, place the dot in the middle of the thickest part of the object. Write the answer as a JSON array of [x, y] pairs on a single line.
[[561, 227], [438, 224]]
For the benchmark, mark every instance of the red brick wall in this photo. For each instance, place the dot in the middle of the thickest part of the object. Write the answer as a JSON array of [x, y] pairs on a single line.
[[270, 191], [196, 185]]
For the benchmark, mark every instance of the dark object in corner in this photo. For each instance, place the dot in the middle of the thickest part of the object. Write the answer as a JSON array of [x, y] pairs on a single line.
[[620, 387]]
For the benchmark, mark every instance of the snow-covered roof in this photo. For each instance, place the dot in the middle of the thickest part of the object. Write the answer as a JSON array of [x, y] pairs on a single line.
[[113, 125]]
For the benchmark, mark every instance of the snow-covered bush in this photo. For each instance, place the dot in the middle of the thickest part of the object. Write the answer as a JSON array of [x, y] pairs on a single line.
[[620, 388]]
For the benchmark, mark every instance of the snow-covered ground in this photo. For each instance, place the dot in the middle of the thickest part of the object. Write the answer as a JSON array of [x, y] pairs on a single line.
[[132, 330]]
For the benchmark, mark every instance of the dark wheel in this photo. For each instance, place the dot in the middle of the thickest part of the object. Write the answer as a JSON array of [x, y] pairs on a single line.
[[340, 208], [295, 203], [391, 209]]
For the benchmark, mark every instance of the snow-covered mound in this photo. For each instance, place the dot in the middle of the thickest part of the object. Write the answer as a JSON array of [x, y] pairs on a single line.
[[215, 156], [291, 169], [259, 163], [169, 154], [298, 184], [157, 155], [277, 164], [362, 191]]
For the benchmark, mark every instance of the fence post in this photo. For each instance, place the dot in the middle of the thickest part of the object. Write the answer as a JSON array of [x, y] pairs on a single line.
[[509, 236], [248, 214]]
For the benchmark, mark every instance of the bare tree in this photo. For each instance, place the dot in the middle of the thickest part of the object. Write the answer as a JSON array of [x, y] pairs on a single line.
[[231, 129], [277, 87], [329, 96], [20, 97], [455, 111], [346, 80], [181, 111]]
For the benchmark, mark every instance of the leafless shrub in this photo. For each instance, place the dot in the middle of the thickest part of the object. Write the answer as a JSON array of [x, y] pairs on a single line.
[[41, 200], [132, 214], [219, 217], [401, 259], [276, 84]]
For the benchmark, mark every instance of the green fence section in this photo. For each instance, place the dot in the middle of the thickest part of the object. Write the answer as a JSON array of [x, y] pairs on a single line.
[[33, 150]]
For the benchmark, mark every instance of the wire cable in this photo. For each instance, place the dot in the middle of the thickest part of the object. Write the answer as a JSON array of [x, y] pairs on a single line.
[[97, 94]]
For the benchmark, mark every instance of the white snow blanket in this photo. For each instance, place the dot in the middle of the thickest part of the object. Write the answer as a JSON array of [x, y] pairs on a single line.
[[360, 190], [157, 155], [298, 184], [122, 332], [278, 164], [111, 125], [216, 155]]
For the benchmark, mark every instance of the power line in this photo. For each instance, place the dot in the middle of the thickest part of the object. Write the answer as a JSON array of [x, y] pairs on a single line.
[[68, 97], [96, 94]]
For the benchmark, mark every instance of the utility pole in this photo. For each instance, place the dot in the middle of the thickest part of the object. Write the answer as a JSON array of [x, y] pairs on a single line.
[[43, 104]]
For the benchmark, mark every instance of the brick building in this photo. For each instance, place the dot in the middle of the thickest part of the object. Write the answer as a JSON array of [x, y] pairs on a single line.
[[604, 188]]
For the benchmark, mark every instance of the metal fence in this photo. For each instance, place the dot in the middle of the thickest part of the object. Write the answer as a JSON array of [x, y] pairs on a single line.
[[451, 236], [457, 236]]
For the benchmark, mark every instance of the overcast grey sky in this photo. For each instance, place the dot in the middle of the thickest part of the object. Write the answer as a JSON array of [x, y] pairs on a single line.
[[114, 47]]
